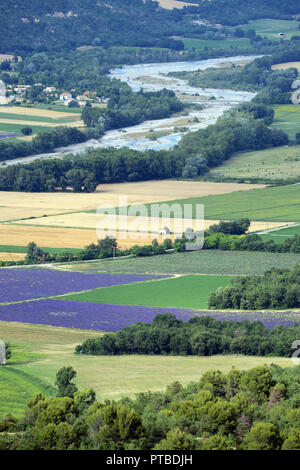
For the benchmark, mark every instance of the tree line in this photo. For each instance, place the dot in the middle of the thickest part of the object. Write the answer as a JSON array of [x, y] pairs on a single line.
[[276, 289], [200, 336], [255, 409], [196, 152]]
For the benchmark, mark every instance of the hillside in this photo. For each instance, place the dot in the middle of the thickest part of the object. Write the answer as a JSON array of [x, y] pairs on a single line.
[[35, 26], [66, 24], [234, 12]]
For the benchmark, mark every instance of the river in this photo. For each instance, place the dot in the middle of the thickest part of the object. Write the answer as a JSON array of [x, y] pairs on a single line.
[[154, 77]]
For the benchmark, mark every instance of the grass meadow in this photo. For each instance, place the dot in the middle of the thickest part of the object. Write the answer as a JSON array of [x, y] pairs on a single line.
[[287, 118], [282, 234], [198, 262], [23, 249], [240, 43], [270, 28], [275, 164], [182, 292], [112, 377]]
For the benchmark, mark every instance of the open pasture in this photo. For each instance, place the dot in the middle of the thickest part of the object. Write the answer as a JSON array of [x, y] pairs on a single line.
[[240, 43], [199, 262], [287, 118], [17, 387], [270, 28], [111, 377], [279, 235], [275, 164]]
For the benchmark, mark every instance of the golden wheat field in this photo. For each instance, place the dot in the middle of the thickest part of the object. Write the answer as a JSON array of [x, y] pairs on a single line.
[[12, 256], [59, 219], [136, 193], [46, 236], [17, 213], [131, 224], [286, 65]]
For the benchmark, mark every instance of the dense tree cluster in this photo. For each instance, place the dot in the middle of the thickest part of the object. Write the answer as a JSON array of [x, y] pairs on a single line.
[[67, 24], [235, 12], [204, 336], [251, 242], [129, 108], [256, 409], [276, 289], [234, 227], [45, 141]]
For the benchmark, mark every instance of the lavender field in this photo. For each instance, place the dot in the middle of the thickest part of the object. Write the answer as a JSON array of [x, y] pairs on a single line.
[[108, 317], [33, 283]]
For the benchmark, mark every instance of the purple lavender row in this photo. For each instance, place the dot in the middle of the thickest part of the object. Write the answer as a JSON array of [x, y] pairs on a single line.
[[23, 284], [107, 317]]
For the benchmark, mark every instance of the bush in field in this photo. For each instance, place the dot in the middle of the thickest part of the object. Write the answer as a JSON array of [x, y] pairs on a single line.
[[26, 130], [235, 227]]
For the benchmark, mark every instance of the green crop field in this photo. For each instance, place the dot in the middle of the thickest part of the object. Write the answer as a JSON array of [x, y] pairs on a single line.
[[287, 118], [277, 204], [199, 262], [182, 292], [23, 249], [218, 44], [282, 234], [16, 128], [270, 165], [112, 377], [58, 107], [28, 117], [271, 28]]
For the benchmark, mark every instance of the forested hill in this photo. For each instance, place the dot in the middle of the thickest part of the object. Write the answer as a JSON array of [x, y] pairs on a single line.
[[32, 25], [234, 12]]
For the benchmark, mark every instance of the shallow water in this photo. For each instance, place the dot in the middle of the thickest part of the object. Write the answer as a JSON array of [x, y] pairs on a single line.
[[153, 77]]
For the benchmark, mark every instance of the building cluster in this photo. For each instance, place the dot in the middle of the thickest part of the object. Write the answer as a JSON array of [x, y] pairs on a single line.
[[18, 93]]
